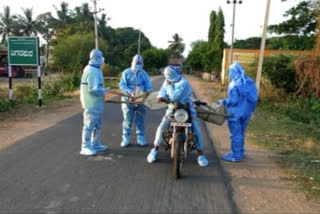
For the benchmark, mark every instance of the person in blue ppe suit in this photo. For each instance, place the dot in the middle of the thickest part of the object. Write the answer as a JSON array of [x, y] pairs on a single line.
[[177, 89], [92, 95], [132, 80], [241, 103]]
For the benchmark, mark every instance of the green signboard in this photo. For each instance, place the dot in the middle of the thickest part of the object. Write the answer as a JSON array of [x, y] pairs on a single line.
[[23, 51]]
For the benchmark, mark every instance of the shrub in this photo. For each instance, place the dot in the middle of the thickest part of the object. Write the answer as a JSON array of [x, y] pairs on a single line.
[[110, 70], [280, 70], [26, 93], [73, 52]]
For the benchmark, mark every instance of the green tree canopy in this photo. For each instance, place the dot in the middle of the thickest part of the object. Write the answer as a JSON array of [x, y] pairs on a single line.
[[155, 58], [72, 53], [7, 23], [212, 27], [197, 59], [302, 20]]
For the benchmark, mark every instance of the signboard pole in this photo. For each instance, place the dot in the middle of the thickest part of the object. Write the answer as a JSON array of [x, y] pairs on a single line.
[[39, 86], [39, 76], [24, 51], [10, 83]]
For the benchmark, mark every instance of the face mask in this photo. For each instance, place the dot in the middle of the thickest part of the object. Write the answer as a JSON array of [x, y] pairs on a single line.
[[137, 67]]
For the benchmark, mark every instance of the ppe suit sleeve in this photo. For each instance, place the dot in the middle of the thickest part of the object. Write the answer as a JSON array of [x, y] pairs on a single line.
[[148, 85], [94, 85], [123, 84], [163, 91], [233, 98]]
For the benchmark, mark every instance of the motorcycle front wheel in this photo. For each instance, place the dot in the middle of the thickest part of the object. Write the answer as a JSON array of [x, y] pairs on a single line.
[[177, 159]]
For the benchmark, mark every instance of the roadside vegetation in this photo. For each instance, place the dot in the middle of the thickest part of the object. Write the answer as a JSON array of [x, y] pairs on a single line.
[[53, 88], [69, 38], [287, 119]]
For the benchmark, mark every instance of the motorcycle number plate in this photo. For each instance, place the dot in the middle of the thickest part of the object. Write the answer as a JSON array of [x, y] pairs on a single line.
[[181, 124]]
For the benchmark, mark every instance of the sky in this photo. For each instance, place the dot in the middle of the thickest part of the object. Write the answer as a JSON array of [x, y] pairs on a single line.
[[160, 19]]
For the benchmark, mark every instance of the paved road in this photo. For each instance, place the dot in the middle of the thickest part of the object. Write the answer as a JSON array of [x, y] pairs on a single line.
[[45, 173]]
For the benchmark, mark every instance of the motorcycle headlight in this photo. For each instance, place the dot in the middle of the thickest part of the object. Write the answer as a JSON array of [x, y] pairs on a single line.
[[181, 116]]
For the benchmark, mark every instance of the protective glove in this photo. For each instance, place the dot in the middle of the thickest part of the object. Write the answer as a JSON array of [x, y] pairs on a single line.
[[222, 102], [198, 103], [132, 97]]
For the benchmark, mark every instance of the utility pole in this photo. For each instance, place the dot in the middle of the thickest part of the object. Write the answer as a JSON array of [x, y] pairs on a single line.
[[263, 43], [233, 23], [139, 41], [96, 37]]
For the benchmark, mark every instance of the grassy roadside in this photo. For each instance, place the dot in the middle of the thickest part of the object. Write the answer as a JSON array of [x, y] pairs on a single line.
[[296, 144], [56, 87]]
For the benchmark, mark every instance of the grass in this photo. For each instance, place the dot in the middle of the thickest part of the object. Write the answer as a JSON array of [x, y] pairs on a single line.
[[55, 88], [297, 146]]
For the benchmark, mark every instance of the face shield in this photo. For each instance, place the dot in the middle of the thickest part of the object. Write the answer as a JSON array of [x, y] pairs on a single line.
[[137, 63], [96, 58], [172, 74], [236, 71]]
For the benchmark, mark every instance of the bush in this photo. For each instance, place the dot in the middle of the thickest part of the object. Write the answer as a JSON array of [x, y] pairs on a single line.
[[6, 105], [279, 69], [110, 70], [72, 53], [26, 93]]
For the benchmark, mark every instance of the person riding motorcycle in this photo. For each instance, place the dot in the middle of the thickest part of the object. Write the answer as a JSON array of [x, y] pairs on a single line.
[[176, 89]]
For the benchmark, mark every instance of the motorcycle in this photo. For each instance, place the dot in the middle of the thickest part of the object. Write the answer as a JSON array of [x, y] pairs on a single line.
[[179, 136]]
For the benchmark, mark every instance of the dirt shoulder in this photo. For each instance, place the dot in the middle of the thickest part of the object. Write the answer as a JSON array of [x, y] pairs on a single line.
[[259, 184]]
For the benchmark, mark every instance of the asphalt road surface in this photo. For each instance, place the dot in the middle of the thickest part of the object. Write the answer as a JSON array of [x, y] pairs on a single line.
[[44, 173]]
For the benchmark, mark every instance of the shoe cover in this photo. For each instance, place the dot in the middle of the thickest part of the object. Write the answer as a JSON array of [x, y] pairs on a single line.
[[152, 157], [202, 161]]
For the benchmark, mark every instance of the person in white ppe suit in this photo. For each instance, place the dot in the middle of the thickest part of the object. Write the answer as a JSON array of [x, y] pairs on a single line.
[[134, 80], [177, 89], [92, 95]]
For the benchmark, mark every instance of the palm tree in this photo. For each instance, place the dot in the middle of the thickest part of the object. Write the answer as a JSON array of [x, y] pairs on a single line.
[[63, 14], [7, 23], [46, 29], [103, 27], [27, 25], [176, 47]]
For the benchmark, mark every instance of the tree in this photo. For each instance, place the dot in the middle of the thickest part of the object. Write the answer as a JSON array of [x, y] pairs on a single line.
[[104, 29], [72, 53], [197, 59], [155, 58], [7, 23], [302, 20], [27, 25], [249, 43], [84, 16], [46, 29], [176, 46], [212, 28], [64, 16], [218, 42], [124, 45]]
